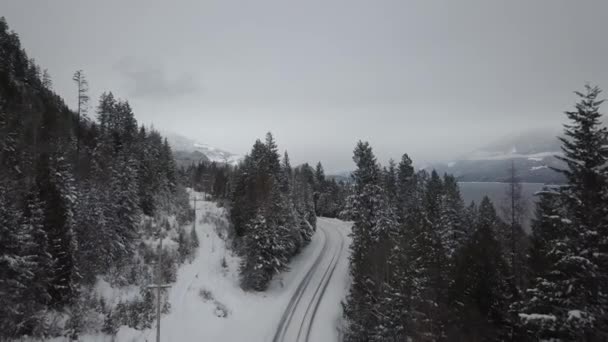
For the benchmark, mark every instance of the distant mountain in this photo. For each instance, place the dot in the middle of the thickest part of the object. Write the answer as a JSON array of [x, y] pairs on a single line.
[[188, 151], [532, 152], [344, 176]]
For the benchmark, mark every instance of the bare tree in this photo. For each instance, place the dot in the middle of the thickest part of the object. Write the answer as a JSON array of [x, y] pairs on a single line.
[[47, 82], [514, 212], [83, 101]]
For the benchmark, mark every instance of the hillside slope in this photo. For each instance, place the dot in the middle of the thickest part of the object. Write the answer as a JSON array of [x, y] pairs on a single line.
[[208, 304]]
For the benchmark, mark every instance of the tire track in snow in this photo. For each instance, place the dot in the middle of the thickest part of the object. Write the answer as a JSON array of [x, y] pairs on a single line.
[[297, 296], [304, 327], [333, 265]]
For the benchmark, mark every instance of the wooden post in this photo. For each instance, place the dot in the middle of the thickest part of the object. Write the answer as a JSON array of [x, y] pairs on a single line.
[[195, 212], [158, 282], [159, 285]]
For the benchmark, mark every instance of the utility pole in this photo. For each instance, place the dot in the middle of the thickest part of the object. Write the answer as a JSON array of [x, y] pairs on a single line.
[[159, 285], [194, 212]]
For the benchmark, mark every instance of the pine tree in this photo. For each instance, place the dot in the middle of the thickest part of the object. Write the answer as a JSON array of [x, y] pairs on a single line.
[[374, 233], [56, 187], [17, 267], [451, 228], [406, 188], [567, 300], [429, 278], [432, 200], [263, 258], [319, 190], [124, 220], [389, 176], [547, 226], [480, 292]]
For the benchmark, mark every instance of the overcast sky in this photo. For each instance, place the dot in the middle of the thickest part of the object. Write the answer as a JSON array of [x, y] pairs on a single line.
[[435, 79]]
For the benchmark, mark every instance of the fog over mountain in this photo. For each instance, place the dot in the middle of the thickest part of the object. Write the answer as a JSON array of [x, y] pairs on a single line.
[[433, 79]]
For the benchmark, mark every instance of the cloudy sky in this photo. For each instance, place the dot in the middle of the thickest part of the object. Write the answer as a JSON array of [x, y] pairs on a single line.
[[435, 79]]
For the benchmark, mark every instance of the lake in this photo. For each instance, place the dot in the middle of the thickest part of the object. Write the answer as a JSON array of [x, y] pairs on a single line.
[[475, 191]]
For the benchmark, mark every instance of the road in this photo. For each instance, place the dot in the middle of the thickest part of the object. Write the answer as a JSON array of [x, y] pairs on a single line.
[[314, 308]]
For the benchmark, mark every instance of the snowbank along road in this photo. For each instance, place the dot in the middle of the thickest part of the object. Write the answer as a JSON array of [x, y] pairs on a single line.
[[208, 304], [311, 312]]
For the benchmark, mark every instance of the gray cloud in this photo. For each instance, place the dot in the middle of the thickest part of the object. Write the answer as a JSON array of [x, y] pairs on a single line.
[[435, 79], [153, 82]]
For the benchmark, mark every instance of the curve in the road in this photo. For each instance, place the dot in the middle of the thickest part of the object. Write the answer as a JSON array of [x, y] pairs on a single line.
[[331, 273], [297, 296], [319, 292], [305, 326]]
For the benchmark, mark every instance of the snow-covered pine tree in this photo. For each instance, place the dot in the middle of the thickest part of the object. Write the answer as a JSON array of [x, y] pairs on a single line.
[[389, 182], [567, 300], [17, 268], [56, 186], [124, 221], [318, 187], [262, 255], [406, 188], [428, 273], [432, 200], [451, 228], [374, 232], [547, 225], [32, 220], [480, 293]]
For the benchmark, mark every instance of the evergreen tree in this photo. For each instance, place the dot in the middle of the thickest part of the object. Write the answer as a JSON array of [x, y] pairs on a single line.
[[432, 200], [406, 188], [373, 233], [452, 231], [56, 187], [567, 300], [480, 292], [263, 258], [547, 226], [17, 267], [429, 278]]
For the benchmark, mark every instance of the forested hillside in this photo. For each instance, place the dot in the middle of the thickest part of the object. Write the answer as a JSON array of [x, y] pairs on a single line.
[[81, 200], [273, 206], [427, 268]]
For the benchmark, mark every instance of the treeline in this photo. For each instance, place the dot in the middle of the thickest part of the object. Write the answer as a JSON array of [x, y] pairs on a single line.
[[73, 195], [218, 180], [273, 206], [273, 210], [427, 268]]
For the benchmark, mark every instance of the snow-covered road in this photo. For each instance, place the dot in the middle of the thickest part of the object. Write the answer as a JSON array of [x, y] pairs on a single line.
[[207, 303], [311, 312]]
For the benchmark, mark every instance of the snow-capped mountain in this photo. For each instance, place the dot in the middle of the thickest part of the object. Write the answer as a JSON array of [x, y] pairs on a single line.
[[188, 151], [532, 152]]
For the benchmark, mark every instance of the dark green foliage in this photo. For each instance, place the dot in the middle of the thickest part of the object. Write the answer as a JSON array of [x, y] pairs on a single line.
[[72, 192], [374, 234], [423, 267], [567, 297], [272, 210], [480, 293]]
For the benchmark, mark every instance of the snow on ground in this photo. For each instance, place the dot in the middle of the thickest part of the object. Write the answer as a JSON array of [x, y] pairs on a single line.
[[484, 155], [535, 168], [329, 316], [207, 303]]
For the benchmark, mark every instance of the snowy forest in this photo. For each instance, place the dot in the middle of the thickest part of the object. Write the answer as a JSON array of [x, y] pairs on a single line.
[[80, 198], [427, 267], [88, 195]]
